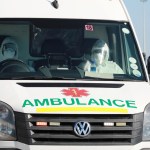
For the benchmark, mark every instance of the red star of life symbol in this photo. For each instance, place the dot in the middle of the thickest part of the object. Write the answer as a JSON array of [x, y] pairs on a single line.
[[75, 92]]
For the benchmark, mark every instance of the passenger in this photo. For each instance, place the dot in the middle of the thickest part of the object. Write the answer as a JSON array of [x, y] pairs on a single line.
[[100, 58]]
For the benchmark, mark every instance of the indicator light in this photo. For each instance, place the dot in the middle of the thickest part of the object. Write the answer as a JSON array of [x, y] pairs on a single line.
[[41, 123]]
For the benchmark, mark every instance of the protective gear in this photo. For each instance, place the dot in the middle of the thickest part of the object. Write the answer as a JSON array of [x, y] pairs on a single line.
[[100, 52], [100, 56], [9, 48]]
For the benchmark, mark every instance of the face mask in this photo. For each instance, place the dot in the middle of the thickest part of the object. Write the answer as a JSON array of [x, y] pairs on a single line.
[[9, 51], [100, 58], [97, 58]]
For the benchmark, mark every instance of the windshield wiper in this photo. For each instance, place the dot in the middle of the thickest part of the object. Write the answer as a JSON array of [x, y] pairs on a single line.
[[115, 78], [41, 78], [100, 79], [127, 78]]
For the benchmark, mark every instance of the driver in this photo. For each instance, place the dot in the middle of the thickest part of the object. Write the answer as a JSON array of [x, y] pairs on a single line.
[[9, 48], [99, 60]]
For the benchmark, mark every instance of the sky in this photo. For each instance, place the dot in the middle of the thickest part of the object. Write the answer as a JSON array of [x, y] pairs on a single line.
[[136, 9]]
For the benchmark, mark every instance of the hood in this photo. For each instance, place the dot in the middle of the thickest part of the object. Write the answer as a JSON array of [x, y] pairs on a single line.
[[76, 97]]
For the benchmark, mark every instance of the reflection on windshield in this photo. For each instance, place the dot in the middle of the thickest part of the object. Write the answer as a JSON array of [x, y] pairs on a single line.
[[68, 49]]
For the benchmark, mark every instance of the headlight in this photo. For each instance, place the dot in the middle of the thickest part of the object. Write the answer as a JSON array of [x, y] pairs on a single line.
[[7, 123], [146, 124]]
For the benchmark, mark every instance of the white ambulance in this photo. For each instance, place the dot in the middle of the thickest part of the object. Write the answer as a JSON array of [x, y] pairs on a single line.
[[72, 77]]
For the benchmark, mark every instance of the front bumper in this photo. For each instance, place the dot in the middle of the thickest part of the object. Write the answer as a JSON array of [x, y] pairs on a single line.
[[10, 145]]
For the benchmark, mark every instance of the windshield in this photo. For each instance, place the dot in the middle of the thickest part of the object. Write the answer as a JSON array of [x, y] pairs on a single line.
[[68, 49]]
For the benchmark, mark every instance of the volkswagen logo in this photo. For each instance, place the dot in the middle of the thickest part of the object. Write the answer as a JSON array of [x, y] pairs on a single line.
[[82, 128]]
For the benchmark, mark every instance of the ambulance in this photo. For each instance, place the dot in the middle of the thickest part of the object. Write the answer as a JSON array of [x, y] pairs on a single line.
[[72, 77]]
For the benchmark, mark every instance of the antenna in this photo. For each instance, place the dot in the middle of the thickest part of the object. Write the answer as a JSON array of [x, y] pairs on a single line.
[[54, 3]]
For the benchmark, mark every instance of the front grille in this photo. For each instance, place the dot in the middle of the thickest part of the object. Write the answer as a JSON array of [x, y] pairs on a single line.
[[61, 130]]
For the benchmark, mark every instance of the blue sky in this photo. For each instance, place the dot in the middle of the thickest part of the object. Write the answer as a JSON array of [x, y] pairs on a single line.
[[136, 9]]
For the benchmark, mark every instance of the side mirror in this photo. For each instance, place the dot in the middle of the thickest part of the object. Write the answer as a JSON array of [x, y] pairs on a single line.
[[148, 65], [144, 56]]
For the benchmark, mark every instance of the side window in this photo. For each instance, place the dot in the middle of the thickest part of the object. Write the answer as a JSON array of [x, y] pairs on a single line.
[[132, 56]]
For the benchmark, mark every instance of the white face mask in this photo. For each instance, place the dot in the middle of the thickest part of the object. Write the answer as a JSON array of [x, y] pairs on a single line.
[[100, 56], [9, 51], [97, 58], [100, 52]]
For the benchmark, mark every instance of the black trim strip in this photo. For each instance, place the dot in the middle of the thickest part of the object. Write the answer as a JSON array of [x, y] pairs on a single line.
[[87, 85], [9, 149]]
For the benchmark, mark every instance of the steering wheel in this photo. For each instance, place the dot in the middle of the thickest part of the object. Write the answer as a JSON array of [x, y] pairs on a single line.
[[13, 65]]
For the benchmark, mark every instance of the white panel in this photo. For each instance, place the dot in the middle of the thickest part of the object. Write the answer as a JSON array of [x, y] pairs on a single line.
[[87, 9]]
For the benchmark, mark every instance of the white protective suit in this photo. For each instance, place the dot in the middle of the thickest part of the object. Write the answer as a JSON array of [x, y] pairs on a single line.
[[9, 49], [99, 56]]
